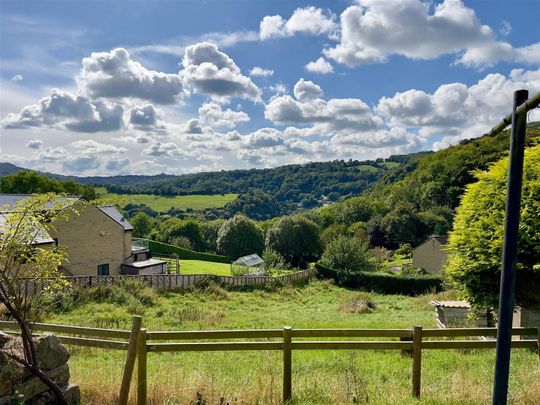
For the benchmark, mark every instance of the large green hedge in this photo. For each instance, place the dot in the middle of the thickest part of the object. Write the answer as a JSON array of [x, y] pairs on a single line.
[[186, 254], [384, 283], [476, 242]]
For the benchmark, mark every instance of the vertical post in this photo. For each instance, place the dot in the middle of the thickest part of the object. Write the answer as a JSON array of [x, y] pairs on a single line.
[[130, 360], [509, 256], [287, 364], [538, 343], [141, 369], [417, 361]]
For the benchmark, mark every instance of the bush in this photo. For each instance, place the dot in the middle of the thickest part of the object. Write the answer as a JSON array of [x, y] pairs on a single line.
[[128, 292], [348, 256], [239, 236], [185, 254], [384, 283], [475, 244], [296, 238]]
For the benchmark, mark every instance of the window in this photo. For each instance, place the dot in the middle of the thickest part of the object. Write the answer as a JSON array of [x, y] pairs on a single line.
[[103, 269]]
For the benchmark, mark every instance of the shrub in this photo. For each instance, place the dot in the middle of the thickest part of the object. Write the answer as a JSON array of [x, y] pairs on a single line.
[[186, 254], [384, 283], [348, 256], [358, 304], [296, 238], [475, 244], [239, 236]]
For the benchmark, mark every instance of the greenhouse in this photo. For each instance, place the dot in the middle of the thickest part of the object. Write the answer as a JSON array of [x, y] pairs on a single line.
[[247, 265]]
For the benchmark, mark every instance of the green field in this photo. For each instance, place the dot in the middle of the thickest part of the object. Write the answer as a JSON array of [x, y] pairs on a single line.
[[319, 377], [202, 267], [164, 203]]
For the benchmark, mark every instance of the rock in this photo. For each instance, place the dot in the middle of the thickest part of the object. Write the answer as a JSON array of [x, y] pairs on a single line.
[[5, 400], [50, 352], [32, 387], [73, 394], [4, 338], [6, 375]]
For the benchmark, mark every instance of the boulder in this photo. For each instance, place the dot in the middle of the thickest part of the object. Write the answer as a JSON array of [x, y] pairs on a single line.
[[6, 375], [4, 338], [33, 386], [50, 352]]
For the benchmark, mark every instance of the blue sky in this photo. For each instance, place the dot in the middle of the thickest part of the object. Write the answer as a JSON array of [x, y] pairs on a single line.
[[109, 87]]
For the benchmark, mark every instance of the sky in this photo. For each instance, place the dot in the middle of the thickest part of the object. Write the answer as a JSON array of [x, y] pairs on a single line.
[[146, 87]]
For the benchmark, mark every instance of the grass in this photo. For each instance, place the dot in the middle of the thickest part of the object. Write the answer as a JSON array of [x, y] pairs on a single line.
[[319, 377], [164, 203], [202, 267]]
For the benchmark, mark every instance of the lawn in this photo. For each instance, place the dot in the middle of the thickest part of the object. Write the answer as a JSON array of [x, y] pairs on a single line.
[[164, 203], [319, 377], [202, 267]]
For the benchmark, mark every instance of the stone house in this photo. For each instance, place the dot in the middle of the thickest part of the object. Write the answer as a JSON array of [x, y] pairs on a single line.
[[431, 255], [98, 241]]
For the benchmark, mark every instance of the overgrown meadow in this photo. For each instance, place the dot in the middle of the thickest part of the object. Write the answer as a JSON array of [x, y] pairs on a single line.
[[319, 377]]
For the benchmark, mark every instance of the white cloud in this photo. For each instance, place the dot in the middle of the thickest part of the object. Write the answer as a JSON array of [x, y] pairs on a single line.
[[16, 78], [455, 110], [115, 75], [91, 147], [326, 117], [372, 31], [193, 127], [53, 154], [168, 149], [259, 71], [209, 71], [321, 66], [177, 46], [306, 90], [213, 115], [264, 138], [68, 111], [308, 20], [34, 144]]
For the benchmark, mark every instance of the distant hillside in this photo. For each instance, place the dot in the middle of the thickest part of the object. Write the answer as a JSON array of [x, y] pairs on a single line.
[[264, 193], [418, 198]]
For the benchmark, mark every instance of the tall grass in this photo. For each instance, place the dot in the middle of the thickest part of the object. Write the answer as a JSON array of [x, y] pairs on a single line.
[[319, 377]]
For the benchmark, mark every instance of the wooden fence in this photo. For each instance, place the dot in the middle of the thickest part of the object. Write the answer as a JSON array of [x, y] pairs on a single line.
[[165, 282], [139, 343]]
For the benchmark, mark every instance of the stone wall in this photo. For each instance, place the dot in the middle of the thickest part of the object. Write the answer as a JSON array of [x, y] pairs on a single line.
[[18, 385]]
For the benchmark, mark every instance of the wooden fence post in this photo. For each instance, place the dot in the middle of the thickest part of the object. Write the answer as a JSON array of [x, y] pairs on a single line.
[[287, 364], [538, 343], [417, 361], [130, 360], [141, 369]]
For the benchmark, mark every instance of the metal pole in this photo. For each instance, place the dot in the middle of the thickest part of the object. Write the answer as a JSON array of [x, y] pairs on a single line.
[[509, 257]]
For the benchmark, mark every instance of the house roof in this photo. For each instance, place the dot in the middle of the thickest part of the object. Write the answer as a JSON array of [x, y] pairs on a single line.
[[41, 236], [450, 304], [116, 216], [145, 263], [443, 240], [249, 260], [8, 201]]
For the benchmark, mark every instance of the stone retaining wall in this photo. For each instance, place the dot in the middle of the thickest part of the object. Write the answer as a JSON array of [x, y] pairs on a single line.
[[18, 385]]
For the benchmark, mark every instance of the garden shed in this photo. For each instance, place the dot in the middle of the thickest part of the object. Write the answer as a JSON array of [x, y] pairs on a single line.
[[248, 264]]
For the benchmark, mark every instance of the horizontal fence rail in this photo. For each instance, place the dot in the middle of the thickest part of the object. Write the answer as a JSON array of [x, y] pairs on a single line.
[[411, 342]]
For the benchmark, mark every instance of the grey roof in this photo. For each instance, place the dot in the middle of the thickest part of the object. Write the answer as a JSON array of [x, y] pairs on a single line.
[[145, 263], [116, 216], [250, 260], [8, 201], [41, 236]]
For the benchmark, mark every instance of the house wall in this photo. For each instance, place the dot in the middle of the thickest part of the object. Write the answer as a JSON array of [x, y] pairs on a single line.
[[92, 238], [429, 256]]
